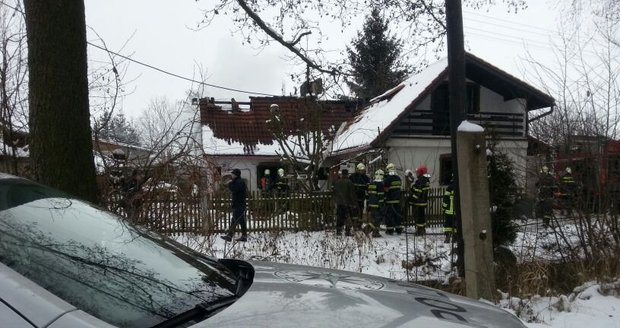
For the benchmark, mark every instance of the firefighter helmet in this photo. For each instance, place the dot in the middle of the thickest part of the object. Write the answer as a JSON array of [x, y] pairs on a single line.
[[361, 166], [421, 170], [390, 167], [281, 172], [267, 172]]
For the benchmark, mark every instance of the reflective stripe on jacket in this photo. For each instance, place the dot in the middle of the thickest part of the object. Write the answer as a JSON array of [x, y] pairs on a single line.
[[392, 185], [419, 191], [448, 201], [376, 194]]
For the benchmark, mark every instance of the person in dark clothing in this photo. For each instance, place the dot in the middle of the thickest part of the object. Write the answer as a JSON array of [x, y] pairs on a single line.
[[360, 181], [238, 189], [376, 201], [568, 186], [408, 205], [266, 183], [345, 199], [281, 183], [449, 212], [547, 186], [419, 198], [133, 194], [393, 216]]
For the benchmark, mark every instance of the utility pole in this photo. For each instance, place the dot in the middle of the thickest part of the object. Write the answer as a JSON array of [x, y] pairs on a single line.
[[475, 214], [456, 87]]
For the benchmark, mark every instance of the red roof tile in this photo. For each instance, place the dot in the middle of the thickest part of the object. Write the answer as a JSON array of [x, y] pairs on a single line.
[[250, 126]]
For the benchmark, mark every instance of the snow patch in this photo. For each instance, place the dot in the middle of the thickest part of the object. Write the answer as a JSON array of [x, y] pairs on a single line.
[[467, 126]]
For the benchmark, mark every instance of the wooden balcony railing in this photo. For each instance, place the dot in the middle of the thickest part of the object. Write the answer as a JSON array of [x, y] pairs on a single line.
[[427, 122]]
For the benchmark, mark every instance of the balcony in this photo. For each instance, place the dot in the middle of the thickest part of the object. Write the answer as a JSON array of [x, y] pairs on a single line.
[[429, 123]]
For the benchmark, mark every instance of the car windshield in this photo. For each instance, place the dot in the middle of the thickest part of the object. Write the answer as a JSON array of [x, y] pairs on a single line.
[[98, 262]]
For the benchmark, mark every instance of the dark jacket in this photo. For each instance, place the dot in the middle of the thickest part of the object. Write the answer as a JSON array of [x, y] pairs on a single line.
[[393, 185], [239, 191], [375, 194], [419, 191], [567, 184], [360, 181], [546, 186], [448, 200], [344, 192], [281, 185]]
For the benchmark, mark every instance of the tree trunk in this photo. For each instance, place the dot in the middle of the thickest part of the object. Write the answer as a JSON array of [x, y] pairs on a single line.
[[61, 144]]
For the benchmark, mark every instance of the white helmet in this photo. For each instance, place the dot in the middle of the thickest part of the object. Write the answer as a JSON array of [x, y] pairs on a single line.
[[390, 167], [379, 174], [545, 169], [361, 166], [568, 170], [408, 172], [281, 172], [267, 172]]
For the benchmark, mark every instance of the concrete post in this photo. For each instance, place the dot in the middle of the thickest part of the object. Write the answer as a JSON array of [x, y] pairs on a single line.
[[475, 212]]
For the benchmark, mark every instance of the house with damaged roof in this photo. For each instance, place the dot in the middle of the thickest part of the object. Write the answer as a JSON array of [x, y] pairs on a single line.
[[243, 134], [409, 125]]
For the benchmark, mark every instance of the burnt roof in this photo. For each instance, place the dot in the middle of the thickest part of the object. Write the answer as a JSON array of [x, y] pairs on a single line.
[[247, 122]]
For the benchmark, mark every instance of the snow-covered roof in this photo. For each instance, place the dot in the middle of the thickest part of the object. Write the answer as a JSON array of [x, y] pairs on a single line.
[[385, 109]]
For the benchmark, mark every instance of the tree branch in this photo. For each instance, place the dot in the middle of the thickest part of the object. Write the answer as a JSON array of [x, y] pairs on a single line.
[[289, 45]]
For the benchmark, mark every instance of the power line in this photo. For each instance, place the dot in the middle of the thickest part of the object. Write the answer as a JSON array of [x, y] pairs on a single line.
[[505, 26], [156, 68], [513, 39], [177, 75], [508, 21]]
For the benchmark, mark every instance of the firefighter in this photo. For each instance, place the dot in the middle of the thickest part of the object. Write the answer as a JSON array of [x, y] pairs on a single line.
[[392, 185], [408, 205], [281, 183], [547, 186], [360, 180], [567, 189], [376, 201], [409, 179], [447, 205], [419, 198], [266, 182]]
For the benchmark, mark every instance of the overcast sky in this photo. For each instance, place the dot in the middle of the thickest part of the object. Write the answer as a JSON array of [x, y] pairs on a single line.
[[160, 33]]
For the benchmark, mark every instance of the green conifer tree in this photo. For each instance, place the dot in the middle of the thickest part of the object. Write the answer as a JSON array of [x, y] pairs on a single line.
[[503, 193], [375, 59]]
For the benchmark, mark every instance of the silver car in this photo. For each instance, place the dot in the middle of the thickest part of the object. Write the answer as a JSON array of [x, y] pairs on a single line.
[[66, 263]]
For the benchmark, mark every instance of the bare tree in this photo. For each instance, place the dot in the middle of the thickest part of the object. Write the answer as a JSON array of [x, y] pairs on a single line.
[[584, 80], [13, 85], [302, 139], [300, 27]]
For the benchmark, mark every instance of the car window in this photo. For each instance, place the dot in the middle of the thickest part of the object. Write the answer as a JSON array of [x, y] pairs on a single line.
[[100, 263]]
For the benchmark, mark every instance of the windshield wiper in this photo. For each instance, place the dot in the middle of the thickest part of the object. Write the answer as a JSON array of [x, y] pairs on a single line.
[[198, 313]]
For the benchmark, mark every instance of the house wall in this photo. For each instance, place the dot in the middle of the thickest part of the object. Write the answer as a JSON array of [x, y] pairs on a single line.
[[219, 168], [494, 102], [408, 153]]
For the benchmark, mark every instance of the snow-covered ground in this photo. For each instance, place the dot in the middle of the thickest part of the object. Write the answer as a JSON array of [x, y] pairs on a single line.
[[590, 305]]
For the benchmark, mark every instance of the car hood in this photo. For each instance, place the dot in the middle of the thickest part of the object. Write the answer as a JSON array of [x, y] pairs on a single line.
[[284, 295]]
